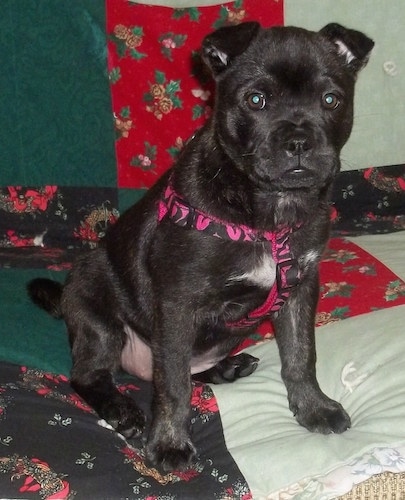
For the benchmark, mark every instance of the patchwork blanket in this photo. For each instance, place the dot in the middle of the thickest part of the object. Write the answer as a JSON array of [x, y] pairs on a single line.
[[71, 163], [62, 449]]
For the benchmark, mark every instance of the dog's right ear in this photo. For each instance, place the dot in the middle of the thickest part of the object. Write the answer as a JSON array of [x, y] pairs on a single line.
[[223, 45], [355, 47]]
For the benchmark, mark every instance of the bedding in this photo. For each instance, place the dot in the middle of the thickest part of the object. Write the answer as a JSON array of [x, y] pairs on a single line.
[[360, 363], [53, 446], [62, 185], [278, 458], [255, 450]]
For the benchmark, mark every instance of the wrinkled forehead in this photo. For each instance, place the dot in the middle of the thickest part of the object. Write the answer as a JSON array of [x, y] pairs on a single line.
[[291, 55]]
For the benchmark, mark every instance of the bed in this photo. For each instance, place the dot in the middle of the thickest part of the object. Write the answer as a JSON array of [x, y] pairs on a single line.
[[54, 446], [60, 191]]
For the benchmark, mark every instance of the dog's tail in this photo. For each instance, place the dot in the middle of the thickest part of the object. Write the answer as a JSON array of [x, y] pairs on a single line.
[[46, 294]]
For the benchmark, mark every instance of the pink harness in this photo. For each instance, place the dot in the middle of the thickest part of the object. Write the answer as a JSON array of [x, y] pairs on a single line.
[[287, 270]]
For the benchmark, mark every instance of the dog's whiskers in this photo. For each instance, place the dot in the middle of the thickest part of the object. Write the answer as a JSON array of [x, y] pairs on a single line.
[[235, 304], [248, 154], [216, 174]]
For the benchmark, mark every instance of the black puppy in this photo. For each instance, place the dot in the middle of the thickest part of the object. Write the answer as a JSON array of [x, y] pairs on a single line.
[[231, 234]]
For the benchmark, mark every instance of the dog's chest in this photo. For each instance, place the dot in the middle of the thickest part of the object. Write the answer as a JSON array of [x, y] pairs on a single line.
[[262, 272]]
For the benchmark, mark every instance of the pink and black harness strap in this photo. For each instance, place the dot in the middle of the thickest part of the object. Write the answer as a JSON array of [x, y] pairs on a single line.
[[288, 274]]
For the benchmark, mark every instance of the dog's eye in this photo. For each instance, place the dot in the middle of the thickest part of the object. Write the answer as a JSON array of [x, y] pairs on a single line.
[[330, 101], [256, 100]]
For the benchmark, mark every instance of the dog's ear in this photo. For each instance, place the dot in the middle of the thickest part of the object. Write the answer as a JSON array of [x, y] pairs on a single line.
[[355, 47], [223, 45]]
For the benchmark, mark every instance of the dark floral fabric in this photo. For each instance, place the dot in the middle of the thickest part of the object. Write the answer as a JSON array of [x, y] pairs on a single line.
[[48, 225], [63, 451], [369, 201]]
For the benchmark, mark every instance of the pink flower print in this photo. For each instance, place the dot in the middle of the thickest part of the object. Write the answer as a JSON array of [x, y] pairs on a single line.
[[169, 43], [145, 161]]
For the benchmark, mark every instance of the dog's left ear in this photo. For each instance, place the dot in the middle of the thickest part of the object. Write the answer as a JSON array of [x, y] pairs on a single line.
[[223, 45], [355, 47]]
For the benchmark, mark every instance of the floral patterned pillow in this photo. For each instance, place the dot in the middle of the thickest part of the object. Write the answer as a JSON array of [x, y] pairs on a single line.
[[160, 91]]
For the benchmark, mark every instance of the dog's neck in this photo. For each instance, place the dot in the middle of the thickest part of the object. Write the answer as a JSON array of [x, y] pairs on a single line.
[[288, 208]]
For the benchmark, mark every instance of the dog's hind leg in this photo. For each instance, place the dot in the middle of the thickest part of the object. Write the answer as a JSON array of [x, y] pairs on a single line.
[[96, 357], [120, 411], [97, 336], [229, 369]]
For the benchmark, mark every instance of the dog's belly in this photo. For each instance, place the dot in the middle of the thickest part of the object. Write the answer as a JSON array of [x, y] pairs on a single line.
[[136, 357]]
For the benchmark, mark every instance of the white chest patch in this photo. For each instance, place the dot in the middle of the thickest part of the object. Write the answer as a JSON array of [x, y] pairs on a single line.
[[263, 274]]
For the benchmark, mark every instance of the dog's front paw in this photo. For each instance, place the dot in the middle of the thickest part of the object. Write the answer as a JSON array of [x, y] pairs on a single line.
[[171, 456], [329, 417]]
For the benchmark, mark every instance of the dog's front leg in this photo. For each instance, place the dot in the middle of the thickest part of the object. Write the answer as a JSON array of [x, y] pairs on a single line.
[[295, 334], [169, 443]]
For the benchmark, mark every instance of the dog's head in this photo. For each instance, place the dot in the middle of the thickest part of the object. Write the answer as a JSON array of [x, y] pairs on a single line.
[[284, 101]]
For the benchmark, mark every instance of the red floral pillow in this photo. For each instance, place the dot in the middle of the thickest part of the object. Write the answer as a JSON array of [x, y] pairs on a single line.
[[158, 101]]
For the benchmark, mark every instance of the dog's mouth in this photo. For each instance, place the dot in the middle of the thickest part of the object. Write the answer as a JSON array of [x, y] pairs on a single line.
[[297, 178], [297, 171], [304, 173]]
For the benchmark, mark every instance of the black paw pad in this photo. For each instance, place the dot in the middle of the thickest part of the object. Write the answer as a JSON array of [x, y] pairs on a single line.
[[127, 419], [230, 369], [331, 418], [171, 457]]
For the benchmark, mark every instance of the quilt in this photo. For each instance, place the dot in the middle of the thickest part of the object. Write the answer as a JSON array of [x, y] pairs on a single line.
[[72, 161], [243, 453]]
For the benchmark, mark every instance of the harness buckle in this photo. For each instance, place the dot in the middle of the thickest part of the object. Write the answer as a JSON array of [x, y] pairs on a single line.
[[287, 274]]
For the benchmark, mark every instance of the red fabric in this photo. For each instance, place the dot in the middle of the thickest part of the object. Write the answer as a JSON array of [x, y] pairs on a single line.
[[157, 102], [353, 282]]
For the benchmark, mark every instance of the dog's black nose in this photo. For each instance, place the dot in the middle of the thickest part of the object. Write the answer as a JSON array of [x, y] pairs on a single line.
[[297, 145]]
